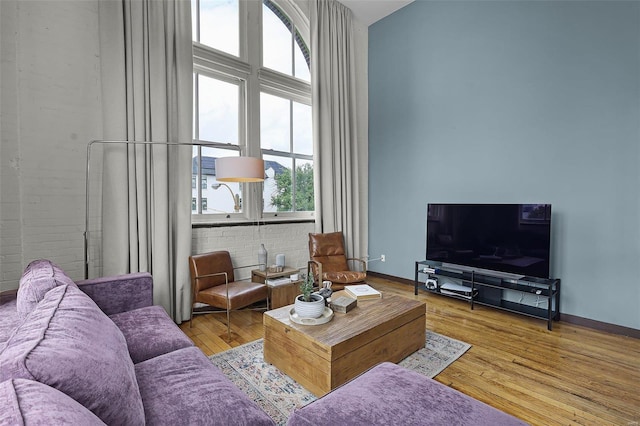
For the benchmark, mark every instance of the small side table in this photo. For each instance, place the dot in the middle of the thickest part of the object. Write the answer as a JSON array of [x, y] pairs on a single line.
[[279, 295]]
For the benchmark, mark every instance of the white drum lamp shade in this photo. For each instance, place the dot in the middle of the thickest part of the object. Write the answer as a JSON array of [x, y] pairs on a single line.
[[239, 169]]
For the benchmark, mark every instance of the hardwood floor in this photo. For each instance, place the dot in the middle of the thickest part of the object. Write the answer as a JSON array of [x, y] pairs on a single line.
[[571, 375]]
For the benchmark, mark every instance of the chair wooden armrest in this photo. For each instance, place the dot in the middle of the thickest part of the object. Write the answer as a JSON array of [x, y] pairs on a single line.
[[363, 263]]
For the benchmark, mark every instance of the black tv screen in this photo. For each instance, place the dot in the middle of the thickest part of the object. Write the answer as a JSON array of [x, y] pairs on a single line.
[[509, 238]]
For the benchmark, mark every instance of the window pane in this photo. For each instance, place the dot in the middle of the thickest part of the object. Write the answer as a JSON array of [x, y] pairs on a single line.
[[278, 184], [301, 55], [220, 25], [302, 132], [276, 41], [304, 186], [195, 165], [279, 193], [275, 129], [218, 110], [216, 197]]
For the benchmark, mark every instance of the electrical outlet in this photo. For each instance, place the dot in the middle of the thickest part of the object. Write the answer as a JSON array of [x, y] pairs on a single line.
[[383, 257]]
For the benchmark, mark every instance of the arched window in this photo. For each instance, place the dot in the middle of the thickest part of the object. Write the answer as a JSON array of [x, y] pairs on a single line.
[[283, 47], [252, 97]]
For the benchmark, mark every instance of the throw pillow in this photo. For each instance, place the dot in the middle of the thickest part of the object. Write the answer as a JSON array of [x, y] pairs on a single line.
[[68, 343], [38, 278]]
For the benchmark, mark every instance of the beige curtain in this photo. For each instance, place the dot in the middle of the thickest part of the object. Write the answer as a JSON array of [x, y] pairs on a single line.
[[338, 158], [146, 60]]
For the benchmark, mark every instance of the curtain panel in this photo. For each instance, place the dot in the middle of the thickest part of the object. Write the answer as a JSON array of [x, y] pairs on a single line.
[[146, 69], [338, 158]]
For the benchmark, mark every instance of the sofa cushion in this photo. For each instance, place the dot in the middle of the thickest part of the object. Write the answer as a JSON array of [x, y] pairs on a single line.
[[390, 394], [150, 332], [68, 343], [26, 402], [184, 388], [38, 278]]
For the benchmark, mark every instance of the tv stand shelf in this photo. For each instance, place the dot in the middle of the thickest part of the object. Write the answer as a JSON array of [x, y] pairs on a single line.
[[488, 289]]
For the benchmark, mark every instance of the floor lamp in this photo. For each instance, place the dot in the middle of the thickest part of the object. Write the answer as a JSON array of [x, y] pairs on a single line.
[[228, 169]]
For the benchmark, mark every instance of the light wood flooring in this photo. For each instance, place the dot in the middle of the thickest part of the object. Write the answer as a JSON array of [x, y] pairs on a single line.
[[571, 375]]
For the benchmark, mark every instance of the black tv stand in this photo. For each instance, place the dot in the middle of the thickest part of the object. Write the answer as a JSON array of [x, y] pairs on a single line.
[[489, 289]]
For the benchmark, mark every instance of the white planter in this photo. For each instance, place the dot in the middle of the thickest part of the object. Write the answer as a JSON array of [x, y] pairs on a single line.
[[313, 309]]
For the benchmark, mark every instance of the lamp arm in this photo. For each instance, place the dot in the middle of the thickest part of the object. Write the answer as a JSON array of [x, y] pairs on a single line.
[[236, 197]]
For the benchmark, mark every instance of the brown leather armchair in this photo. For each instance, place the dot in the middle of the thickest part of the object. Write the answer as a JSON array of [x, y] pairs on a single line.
[[213, 282], [332, 264]]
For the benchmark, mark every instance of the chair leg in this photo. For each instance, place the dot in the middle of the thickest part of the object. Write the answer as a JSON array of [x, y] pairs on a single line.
[[228, 324], [191, 316]]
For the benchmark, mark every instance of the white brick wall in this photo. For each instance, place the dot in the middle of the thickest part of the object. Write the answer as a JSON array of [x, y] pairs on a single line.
[[10, 206], [50, 108], [243, 242]]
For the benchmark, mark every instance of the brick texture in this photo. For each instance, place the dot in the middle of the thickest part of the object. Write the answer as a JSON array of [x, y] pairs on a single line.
[[50, 109], [243, 242]]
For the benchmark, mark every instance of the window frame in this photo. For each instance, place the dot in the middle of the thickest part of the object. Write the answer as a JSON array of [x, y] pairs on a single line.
[[247, 70]]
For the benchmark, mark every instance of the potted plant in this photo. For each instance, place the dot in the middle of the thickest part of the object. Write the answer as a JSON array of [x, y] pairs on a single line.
[[308, 304]]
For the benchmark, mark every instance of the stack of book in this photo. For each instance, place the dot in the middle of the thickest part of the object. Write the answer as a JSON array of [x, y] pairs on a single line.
[[362, 292]]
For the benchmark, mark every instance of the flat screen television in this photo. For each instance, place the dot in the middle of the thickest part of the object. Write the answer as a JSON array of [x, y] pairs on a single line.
[[514, 239]]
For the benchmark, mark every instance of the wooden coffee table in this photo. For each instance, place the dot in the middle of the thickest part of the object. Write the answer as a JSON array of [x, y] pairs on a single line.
[[322, 357]]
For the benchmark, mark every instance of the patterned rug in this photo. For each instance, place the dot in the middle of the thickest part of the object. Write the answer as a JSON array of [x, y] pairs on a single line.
[[278, 394]]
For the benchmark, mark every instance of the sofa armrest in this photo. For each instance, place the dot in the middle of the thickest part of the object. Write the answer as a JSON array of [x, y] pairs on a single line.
[[120, 293]]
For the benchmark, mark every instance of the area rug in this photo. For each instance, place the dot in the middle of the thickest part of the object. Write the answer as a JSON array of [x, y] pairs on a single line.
[[278, 394]]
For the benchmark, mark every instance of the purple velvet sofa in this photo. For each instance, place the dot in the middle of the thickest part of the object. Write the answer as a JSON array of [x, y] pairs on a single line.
[[99, 352]]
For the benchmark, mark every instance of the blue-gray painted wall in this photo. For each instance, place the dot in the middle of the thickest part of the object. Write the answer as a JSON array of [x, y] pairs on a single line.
[[513, 102]]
